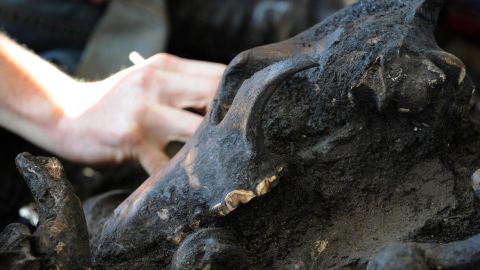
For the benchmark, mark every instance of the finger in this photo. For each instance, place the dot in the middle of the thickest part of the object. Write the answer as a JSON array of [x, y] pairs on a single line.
[[152, 158], [164, 124], [183, 90], [170, 63], [173, 63]]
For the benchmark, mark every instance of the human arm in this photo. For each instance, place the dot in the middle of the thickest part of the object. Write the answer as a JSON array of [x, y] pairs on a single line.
[[132, 114]]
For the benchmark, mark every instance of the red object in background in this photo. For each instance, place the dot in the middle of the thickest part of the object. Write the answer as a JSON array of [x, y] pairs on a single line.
[[464, 18]]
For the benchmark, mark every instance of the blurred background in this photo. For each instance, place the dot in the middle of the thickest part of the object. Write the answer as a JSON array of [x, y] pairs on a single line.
[[91, 39]]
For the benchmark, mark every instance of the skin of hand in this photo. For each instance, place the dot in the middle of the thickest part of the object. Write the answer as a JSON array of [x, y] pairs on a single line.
[[132, 114], [141, 111]]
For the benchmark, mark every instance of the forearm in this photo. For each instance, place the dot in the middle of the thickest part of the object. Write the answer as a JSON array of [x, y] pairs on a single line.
[[132, 114], [33, 94]]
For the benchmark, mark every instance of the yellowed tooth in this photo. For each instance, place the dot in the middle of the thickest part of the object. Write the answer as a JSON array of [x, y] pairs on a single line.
[[264, 186], [237, 197], [195, 224], [218, 209], [177, 237], [233, 200], [452, 60], [241, 196], [462, 75]]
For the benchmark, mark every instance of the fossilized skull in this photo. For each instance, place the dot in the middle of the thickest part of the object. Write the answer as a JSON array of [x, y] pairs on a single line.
[[317, 151], [338, 115]]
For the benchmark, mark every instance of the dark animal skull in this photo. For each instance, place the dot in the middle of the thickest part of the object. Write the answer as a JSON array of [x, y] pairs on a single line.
[[352, 121], [375, 59]]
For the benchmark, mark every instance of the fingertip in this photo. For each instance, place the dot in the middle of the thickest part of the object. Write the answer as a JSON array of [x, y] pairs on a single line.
[[152, 159]]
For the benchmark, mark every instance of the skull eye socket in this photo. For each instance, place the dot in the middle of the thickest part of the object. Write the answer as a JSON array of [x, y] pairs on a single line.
[[228, 88], [240, 69]]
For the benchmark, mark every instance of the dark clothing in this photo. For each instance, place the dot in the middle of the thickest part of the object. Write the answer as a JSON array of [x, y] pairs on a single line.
[[86, 40], [55, 29]]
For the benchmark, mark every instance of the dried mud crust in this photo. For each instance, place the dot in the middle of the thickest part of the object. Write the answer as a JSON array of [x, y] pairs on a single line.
[[339, 222], [373, 177]]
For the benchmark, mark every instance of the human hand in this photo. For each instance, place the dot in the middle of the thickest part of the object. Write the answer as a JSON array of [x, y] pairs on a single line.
[[136, 112]]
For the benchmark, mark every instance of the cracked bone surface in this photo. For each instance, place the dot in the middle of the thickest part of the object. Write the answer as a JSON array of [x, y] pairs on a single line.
[[318, 150]]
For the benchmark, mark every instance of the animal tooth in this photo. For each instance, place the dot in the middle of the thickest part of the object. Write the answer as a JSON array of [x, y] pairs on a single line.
[[264, 186]]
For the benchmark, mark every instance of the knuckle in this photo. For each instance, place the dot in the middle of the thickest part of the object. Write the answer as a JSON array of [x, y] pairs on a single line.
[[164, 59], [150, 78]]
